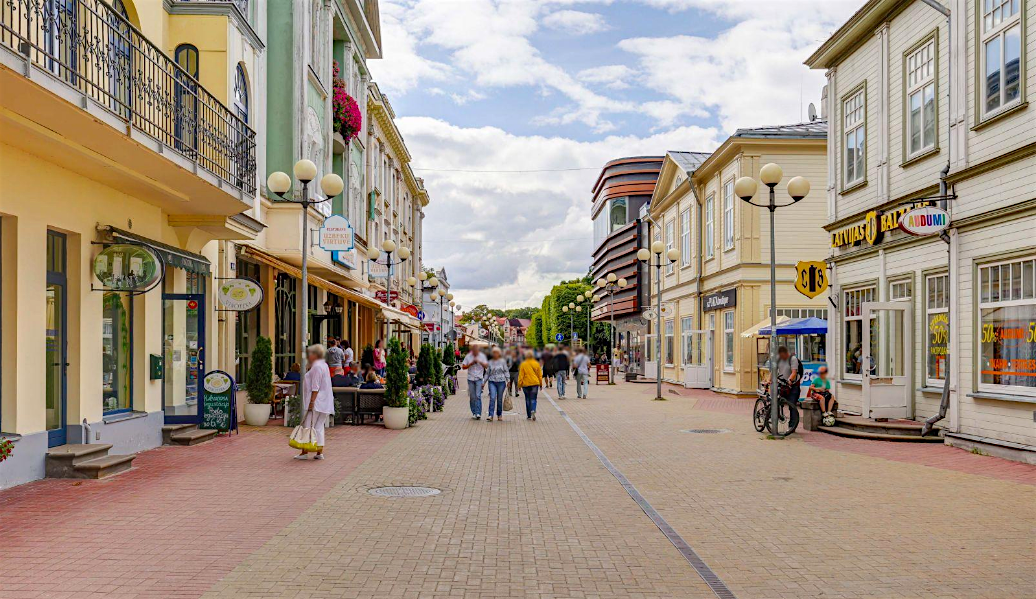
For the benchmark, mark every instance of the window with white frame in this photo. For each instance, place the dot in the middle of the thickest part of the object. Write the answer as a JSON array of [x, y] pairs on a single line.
[[1001, 54], [1007, 319], [687, 340], [794, 313], [710, 226], [937, 322], [728, 340], [854, 125], [901, 290], [670, 241], [667, 345], [728, 215], [685, 237], [854, 330], [920, 98]]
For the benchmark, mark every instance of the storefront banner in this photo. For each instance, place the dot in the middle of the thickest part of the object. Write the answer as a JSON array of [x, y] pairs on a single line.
[[239, 295], [127, 267], [412, 310], [927, 220], [386, 296], [336, 234], [719, 301]]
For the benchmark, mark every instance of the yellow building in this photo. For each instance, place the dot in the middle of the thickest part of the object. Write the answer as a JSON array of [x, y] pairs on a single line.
[[142, 140], [720, 286]]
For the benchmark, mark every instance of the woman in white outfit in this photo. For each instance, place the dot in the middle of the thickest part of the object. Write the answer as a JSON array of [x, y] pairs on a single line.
[[318, 402]]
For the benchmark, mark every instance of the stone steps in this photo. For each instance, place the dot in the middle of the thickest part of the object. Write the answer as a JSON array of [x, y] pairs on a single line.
[[186, 434], [85, 461], [861, 428]]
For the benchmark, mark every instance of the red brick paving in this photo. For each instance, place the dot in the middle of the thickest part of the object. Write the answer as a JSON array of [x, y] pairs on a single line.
[[172, 526], [925, 454]]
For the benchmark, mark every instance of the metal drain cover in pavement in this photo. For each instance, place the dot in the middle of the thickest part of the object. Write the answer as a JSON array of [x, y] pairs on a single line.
[[705, 431], [404, 491]]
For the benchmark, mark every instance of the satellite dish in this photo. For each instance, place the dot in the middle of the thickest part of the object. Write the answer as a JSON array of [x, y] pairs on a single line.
[[812, 111]]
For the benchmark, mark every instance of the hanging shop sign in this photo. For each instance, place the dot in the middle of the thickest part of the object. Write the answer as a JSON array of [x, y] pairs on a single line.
[[927, 220], [411, 310], [873, 227], [128, 267], [336, 234], [220, 409], [386, 296], [811, 278], [239, 295], [719, 301]]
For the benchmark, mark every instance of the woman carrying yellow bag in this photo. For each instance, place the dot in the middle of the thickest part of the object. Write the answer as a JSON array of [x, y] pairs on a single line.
[[318, 405]]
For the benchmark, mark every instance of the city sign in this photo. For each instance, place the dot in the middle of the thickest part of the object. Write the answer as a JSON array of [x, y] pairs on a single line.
[[336, 234], [239, 295], [127, 267], [719, 300], [926, 220], [873, 227], [811, 278]]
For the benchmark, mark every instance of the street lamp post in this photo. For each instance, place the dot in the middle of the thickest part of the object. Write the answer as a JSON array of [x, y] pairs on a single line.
[[611, 285], [331, 185], [644, 255], [388, 246], [798, 188]]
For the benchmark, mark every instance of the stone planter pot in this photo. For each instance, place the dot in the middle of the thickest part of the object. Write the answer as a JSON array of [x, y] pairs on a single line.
[[395, 418], [257, 414]]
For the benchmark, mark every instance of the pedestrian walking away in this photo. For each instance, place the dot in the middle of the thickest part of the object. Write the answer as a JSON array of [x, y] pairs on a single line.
[[581, 366], [530, 379], [318, 402], [547, 362], [334, 358], [475, 365], [561, 367], [514, 362], [347, 354], [498, 374]]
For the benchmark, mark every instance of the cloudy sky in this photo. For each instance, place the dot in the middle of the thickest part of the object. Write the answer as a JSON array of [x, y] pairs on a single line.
[[511, 107]]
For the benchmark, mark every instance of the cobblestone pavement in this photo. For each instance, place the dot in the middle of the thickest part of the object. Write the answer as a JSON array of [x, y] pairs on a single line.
[[815, 515]]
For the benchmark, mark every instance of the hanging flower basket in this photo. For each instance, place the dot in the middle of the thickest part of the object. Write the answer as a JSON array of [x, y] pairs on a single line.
[[6, 449], [347, 117]]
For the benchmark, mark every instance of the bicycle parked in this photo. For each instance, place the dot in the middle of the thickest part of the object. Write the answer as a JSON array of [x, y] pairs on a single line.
[[788, 415]]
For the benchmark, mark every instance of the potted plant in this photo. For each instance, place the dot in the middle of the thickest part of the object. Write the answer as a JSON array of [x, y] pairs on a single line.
[[259, 383], [6, 449], [449, 360], [396, 412]]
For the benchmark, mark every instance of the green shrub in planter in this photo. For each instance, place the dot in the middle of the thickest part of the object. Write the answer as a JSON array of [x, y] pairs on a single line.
[[259, 380], [294, 406], [423, 375], [397, 380]]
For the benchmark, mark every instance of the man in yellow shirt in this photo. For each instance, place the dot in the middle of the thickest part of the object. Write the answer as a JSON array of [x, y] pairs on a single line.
[[530, 379]]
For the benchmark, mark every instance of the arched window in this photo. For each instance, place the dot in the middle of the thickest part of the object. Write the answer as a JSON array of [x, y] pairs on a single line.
[[241, 94], [186, 56], [186, 123]]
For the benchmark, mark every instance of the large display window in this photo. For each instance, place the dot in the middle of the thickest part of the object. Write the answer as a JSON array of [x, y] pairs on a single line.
[[1007, 327]]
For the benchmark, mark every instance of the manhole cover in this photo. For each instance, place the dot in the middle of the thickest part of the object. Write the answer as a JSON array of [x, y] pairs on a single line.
[[705, 431], [404, 492]]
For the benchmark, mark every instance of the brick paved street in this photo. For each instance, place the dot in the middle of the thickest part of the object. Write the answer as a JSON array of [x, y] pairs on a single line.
[[528, 510]]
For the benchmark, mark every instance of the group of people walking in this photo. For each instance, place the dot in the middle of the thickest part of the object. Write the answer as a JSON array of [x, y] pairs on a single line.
[[504, 373]]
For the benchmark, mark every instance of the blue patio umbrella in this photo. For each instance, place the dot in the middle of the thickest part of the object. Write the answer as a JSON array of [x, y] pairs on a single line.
[[799, 326]]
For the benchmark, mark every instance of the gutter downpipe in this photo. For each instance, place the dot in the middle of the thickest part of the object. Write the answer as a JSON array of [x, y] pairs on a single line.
[[944, 404]]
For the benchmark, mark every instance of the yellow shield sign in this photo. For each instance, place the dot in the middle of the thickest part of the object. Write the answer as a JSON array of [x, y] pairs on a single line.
[[811, 278]]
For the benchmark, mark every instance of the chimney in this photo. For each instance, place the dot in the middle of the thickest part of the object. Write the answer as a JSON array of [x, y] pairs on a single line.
[[823, 103]]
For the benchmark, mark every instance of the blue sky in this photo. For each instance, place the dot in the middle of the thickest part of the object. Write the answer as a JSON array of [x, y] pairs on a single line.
[[541, 85]]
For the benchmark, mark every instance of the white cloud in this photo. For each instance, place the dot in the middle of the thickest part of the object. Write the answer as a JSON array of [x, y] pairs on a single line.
[[507, 238], [574, 22], [402, 67], [613, 76]]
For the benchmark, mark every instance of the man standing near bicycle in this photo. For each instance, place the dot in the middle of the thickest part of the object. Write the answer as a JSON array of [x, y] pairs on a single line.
[[789, 368]]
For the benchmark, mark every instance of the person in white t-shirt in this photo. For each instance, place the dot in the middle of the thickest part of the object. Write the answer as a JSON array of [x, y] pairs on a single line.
[[318, 401], [475, 364]]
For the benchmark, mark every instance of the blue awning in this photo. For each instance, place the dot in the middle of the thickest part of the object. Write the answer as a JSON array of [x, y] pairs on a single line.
[[799, 326]]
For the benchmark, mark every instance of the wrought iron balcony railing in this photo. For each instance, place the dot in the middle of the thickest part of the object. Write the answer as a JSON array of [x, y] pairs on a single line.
[[94, 49]]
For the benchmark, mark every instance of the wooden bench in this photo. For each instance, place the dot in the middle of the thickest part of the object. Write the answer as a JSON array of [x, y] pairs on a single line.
[[358, 404]]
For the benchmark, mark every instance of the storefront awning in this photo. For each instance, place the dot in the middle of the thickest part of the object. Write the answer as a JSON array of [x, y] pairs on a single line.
[[754, 330], [171, 255], [313, 279], [393, 315], [799, 326]]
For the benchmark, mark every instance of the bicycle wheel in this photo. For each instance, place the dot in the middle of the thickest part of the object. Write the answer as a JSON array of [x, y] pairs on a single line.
[[784, 420], [760, 414]]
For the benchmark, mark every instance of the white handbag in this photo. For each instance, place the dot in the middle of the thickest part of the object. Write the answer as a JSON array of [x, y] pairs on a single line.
[[304, 437]]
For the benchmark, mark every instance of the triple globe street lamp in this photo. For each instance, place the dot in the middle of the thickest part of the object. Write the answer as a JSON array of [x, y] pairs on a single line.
[[798, 188], [661, 258]]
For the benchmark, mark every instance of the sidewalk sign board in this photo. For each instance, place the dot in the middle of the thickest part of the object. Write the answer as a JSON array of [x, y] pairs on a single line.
[[220, 411]]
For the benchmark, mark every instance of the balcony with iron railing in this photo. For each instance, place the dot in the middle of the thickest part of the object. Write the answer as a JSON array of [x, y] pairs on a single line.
[[89, 47]]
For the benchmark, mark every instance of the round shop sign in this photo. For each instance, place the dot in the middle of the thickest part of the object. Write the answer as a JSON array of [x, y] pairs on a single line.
[[217, 382], [926, 220], [240, 295], [127, 267]]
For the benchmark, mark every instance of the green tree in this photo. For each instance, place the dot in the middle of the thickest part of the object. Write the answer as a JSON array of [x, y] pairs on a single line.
[[424, 366], [449, 357], [397, 382], [259, 382], [525, 312], [534, 335], [477, 314]]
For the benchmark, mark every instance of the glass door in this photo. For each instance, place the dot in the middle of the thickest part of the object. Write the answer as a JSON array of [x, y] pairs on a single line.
[[888, 360], [56, 344], [183, 348]]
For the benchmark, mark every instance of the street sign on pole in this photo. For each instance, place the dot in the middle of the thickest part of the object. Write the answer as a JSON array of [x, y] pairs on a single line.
[[559, 337]]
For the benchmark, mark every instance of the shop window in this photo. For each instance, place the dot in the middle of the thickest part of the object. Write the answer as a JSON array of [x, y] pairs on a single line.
[[1001, 54], [685, 238], [854, 332], [728, 341], [920, 98], [728, 215], [117, 351], [285, 291], [854, 126], [687, 340], [247, 328], [668, 342], [937, 325], [901, 290], [794, 313], [710, 225], [1007, 313]]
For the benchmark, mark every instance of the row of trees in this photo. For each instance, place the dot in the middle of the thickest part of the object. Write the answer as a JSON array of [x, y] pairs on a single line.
[[552, 319], [481, 311]]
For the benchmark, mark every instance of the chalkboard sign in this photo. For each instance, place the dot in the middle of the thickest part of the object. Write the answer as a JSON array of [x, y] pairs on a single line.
[[219, 401]]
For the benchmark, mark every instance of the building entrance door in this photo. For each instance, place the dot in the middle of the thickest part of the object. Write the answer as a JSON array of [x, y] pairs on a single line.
[[56, 341], [697, 368], [888, 360], [650, 357], [183, 346]]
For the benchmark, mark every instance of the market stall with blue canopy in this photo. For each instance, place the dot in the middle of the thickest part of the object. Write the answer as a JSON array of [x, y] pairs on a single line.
[[805, 337]]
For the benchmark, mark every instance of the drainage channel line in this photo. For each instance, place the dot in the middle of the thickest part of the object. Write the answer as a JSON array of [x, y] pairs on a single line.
[[715, 583]]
